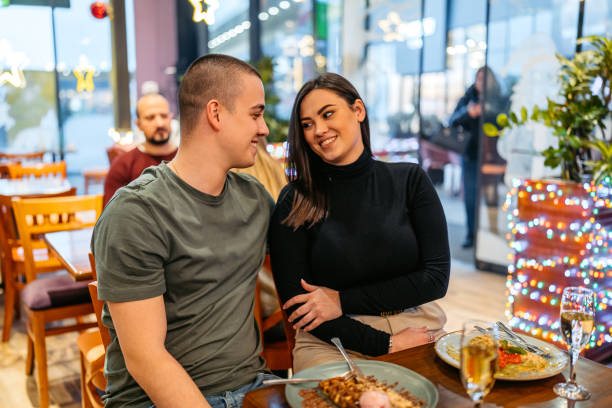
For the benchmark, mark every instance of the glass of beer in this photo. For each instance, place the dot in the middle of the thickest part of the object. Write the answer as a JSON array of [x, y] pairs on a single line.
[[479, 342], [577, 322]]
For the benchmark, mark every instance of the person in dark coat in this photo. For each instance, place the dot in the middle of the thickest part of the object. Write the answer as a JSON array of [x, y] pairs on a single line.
[[467, 115]]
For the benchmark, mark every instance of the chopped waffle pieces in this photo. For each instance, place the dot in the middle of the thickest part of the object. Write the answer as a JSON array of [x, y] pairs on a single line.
[[346, 392]]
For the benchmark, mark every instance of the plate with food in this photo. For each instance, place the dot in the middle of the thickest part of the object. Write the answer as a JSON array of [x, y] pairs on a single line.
[[516, 363], [384, 383]]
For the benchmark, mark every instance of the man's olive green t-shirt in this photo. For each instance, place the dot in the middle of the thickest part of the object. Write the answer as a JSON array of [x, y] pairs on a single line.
[[159, 236]]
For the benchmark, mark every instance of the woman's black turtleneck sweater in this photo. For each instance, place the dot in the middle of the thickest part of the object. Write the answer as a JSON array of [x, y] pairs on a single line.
[[383, 246]]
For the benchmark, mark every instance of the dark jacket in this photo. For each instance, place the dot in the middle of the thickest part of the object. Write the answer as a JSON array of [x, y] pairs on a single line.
[[461, 117]]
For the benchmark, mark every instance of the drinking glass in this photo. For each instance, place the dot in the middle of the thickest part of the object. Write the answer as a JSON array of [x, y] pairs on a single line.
[[479, 341], [577, 321]]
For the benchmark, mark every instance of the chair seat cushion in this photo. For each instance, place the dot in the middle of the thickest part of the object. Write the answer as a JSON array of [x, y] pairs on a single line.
[[55, 291]]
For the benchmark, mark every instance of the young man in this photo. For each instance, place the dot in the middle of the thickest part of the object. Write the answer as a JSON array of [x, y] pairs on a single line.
[[177, 253], [153, 119]]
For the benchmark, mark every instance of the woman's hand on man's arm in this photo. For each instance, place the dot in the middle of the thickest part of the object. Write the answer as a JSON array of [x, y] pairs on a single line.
[[319, 305]]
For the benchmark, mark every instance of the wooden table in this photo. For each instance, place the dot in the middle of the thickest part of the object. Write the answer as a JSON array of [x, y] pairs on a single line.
[[423, 360], [72, 249]]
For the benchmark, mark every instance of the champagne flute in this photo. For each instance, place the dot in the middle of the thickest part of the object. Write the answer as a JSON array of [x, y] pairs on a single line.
[[478, 358], [577, 321]]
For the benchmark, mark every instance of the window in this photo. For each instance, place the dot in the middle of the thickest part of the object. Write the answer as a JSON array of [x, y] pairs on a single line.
[[29, 115], [523, 40], [287, 37], [28, 111], [230, 32]]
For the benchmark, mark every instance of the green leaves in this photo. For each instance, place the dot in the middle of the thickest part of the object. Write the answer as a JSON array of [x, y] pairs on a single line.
[[514, 118], [523, 114], [490, 130], [502, 120], [577, 117]]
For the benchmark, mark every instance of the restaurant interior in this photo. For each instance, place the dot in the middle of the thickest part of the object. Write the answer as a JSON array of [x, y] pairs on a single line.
[[72, 72]]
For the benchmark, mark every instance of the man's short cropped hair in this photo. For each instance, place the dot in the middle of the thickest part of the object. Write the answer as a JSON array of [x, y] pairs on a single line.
[[212, 76]]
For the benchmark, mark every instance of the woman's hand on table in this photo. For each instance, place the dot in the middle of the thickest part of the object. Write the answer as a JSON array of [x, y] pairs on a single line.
[[319, 305], [408, 338]]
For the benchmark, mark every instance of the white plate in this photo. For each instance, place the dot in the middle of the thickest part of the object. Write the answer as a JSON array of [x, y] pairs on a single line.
[[447, 347], [416, 384]]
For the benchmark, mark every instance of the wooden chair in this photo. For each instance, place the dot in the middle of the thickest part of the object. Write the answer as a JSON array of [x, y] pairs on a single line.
[[57, 297], [4, 170], [97, 303], [93, 176], [35, 156], [92, 368], [38, 170], [92, 346], [12, 258], [278, 354]]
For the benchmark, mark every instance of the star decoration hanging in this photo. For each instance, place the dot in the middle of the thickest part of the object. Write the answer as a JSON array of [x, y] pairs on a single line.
[[391, 27], [207, 16], [15, 61], [84, 73]]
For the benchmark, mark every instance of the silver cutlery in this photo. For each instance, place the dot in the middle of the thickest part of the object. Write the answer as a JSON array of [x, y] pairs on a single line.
[[518, 339], [354, 369], [292, 381], [482, 330], [300, 380]]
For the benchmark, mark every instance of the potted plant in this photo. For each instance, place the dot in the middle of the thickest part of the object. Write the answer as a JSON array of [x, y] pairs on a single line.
[[581, 120], [561, 230]]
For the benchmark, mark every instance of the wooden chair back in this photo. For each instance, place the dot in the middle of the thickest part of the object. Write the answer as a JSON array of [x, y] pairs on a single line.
[[38, 170], [12, 262], [92, 369], [8, 228], [37, 216], [22, 156], [278, 354], [97, 303]]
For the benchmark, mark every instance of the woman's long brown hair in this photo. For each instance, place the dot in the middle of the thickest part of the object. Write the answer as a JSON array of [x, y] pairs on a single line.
[[310, 184]]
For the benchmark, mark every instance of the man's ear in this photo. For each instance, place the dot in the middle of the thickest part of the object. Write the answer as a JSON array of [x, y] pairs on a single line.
[[137, 123], [213, 114]]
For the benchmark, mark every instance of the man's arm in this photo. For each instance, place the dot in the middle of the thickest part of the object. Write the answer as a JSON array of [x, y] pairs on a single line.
[[141, 330]]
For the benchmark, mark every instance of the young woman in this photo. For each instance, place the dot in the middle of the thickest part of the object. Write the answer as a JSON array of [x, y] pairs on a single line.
[[359, 248]]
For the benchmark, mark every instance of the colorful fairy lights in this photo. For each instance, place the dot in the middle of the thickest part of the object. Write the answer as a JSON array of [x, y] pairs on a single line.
[[560, 234]]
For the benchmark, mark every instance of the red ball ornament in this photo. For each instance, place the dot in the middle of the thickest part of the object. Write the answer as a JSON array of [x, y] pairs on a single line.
[[99, 9]]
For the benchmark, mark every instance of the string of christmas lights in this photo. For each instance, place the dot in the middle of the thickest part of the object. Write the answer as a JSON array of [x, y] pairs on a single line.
[[561, 235]]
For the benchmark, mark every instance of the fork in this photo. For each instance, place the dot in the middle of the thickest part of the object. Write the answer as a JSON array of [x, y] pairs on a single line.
[[530, 347], [354, 369], [347, 375], [292, 381]]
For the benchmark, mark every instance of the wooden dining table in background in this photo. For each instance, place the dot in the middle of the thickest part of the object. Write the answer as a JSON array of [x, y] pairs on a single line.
[[595, 377], [72, 249]]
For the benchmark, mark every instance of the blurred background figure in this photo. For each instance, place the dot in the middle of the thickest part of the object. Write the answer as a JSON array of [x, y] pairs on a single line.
[[153, 118], [267, 170], [467, 114], [152, 88]]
